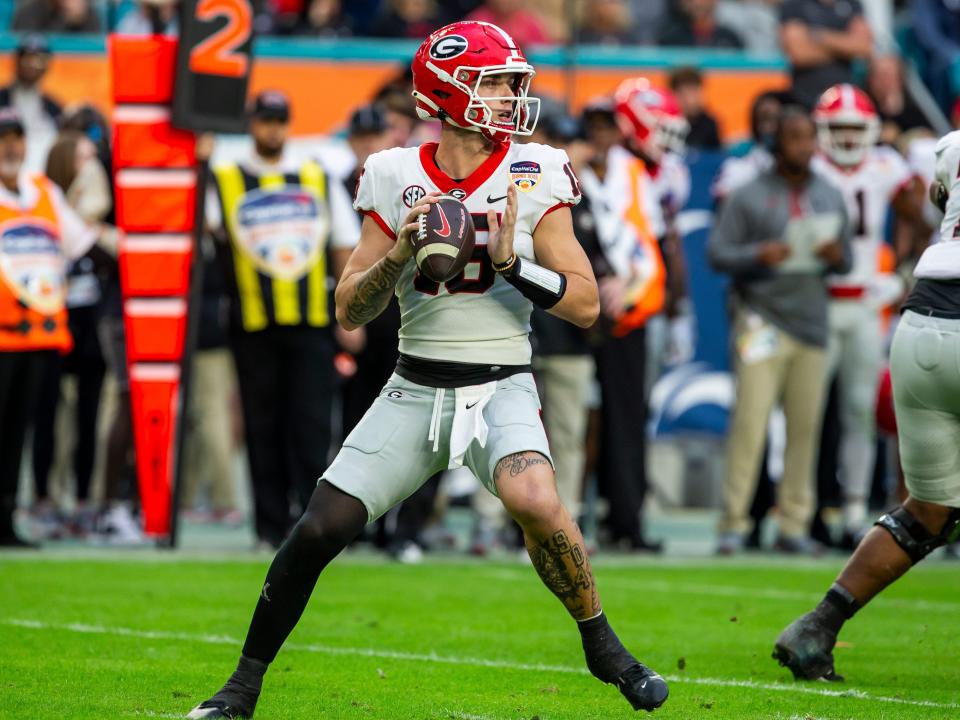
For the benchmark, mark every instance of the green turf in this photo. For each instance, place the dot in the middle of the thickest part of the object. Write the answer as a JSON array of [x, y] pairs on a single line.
[[152, 635]]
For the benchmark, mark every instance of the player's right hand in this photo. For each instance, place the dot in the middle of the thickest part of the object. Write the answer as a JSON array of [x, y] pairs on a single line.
[[772, 253], [403, 250]]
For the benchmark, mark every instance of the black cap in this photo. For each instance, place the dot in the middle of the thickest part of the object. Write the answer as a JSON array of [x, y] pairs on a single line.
[[33, 44], [271, 105], [367, 120], [10, 121]]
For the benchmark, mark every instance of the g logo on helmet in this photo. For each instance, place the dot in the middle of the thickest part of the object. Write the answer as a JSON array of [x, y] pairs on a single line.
[[449, 46]]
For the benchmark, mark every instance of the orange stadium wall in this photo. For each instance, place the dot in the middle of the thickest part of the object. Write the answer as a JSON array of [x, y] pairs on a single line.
[[326, 87]]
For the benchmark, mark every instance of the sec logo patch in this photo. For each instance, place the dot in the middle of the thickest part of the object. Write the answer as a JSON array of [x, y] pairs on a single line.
[[525, 175], [412, 194]]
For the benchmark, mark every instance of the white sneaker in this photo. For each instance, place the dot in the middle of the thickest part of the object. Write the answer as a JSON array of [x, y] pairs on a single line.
[[118, 526], [410, 553]]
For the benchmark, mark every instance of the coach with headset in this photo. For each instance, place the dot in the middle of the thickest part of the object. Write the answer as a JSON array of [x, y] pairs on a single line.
[[778, 236], [284, 225]]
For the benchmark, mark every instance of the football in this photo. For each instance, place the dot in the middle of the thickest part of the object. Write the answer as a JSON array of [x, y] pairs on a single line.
[[444, 241]]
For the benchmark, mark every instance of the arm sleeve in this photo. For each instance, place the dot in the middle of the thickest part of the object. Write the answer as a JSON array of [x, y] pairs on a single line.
[[727, 249], [345, 229], [77, 237]]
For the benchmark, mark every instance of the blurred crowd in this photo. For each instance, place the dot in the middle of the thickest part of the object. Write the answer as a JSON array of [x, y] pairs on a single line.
[[630, 151]]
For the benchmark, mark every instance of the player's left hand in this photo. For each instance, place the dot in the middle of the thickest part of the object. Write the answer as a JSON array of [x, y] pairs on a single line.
[[500, 242], [831, 253]]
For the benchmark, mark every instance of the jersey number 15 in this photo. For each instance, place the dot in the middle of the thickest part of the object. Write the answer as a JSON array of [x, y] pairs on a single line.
[[485, 276]]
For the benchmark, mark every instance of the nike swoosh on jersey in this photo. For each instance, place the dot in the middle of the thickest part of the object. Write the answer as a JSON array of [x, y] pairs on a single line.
[[491, 199], [472, 404]]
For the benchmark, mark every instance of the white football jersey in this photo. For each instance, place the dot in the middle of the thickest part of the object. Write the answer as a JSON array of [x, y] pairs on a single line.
[[670, 182], [942, 260], [868, 190], [735, 172], [476, 317]]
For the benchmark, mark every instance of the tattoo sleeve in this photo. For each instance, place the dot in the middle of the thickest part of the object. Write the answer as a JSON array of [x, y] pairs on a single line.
[[373, 291]]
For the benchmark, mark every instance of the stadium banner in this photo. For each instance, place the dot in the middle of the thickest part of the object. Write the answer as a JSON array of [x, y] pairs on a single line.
[[351, 71]]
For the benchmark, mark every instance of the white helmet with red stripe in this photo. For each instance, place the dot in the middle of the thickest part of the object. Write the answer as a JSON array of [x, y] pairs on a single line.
[[650, 118], [449, 67], [847, 124]]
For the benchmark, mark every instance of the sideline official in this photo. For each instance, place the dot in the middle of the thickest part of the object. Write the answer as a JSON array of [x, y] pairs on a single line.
[[283, 223], [39, 233]]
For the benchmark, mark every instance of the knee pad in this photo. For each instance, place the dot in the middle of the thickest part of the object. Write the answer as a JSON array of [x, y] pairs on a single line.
[[911, 535]]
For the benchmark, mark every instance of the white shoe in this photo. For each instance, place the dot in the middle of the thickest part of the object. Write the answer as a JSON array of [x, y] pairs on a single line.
[[410, 554], [118, 526]]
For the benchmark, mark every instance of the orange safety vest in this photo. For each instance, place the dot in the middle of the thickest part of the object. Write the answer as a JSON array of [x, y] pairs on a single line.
[[647, 291], [33, 314]]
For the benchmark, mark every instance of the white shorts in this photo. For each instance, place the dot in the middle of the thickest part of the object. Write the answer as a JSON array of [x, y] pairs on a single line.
[[391, 452]]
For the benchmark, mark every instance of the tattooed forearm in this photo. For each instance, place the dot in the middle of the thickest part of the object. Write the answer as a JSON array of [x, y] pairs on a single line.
[[518, 462], [565, 570], [373, 290]]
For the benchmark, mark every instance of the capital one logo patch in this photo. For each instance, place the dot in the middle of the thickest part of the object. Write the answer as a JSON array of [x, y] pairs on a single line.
[[448, 47]]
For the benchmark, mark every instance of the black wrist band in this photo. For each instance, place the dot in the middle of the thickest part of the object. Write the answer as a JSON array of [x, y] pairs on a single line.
[[542, 287]]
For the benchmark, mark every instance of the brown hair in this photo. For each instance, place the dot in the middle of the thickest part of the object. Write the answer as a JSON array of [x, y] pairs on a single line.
[[62, 160]]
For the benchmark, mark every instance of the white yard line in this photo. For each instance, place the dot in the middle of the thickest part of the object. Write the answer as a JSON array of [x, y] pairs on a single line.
[[471, 661]]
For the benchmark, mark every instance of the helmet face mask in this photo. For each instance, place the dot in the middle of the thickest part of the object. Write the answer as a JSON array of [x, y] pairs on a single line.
[[847, 125], [454, 63]]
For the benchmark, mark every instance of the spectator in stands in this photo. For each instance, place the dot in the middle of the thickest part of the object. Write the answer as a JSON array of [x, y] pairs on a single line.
[[411, 19], [524, 26], [694, 24], [821, 39], [897, 110], [59, 16], [936, 26], [149, 17], [780, 324], [687, 85], [40, 112], [74, 167], [755, 21], [323, 18], [609, 22]]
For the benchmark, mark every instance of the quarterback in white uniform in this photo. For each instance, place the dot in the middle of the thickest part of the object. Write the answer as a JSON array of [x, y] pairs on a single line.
[[462, 393], [926, 395], [872, 178]]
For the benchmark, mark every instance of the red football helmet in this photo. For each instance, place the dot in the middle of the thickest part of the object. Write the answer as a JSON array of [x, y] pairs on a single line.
[[650, 118], [449, 67], [847, 124]]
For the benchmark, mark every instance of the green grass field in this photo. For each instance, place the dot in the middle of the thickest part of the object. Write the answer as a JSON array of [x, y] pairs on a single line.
[[150, 635]]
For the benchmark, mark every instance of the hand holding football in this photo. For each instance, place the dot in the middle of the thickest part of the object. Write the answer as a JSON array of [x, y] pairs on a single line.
[[443, 243]]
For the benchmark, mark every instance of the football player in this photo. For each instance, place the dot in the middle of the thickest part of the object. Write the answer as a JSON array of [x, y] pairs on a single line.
[[463, 393], [872, 178], [926, 394]]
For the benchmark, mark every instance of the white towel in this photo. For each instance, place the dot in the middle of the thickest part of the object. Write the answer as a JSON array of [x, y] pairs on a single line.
[[468, 423]]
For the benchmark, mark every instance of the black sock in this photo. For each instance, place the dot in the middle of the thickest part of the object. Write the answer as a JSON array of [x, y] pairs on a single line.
[[332, 520], [837, 606], [248, 675], [607, 658]]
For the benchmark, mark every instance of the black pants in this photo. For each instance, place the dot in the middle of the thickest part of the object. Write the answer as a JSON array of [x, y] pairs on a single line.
[[87, 364], [286, 380], [20, 374], [622, 466]]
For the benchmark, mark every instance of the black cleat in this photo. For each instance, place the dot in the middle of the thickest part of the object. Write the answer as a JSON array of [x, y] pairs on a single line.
[[233, 702], [642, 687], [806, 647]]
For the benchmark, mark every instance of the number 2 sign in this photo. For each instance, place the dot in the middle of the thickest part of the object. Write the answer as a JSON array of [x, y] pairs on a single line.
[[213, 65]]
